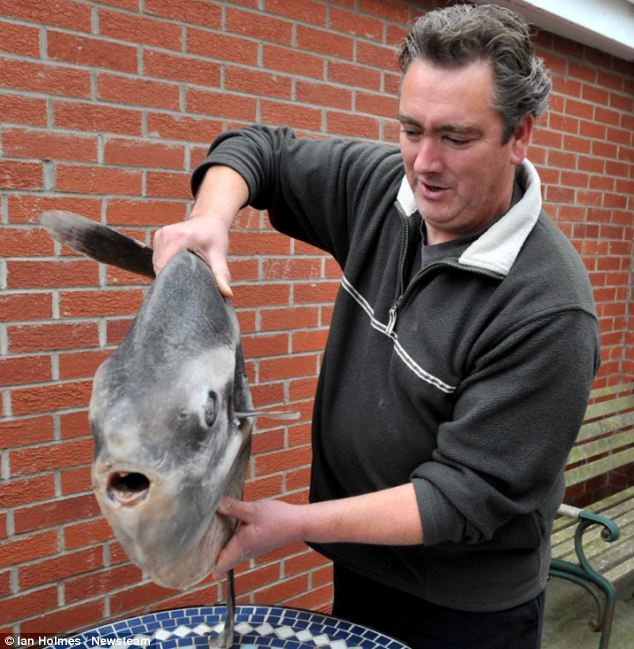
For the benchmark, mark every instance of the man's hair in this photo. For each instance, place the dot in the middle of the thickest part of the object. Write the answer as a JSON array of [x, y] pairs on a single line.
[[462, 34]]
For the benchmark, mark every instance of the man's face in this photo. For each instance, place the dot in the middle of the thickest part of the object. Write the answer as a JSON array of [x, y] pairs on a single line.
[[451, 142]]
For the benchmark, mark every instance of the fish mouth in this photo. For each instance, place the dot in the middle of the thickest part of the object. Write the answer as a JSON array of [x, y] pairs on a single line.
[[127, 488], [124, 484]]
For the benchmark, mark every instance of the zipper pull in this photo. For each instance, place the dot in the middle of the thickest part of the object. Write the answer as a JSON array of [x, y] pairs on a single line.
[[391, 323]]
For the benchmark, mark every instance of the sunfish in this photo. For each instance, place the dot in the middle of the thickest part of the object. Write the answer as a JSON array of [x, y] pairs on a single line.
[[170, 413]]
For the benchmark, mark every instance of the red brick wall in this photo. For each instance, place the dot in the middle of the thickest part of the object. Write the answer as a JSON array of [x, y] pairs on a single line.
[[106, 109]]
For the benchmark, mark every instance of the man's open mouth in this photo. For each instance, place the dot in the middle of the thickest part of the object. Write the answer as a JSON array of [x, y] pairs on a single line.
[[430, 188]]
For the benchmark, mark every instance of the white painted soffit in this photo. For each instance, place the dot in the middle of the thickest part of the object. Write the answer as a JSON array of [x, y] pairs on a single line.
[[607, 25]]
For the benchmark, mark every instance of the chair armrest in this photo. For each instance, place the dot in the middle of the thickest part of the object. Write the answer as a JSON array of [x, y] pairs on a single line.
[[569, 511], [610, 531]]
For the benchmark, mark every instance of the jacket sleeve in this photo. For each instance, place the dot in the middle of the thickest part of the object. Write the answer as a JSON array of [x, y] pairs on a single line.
[[500, 459], [311, 188]]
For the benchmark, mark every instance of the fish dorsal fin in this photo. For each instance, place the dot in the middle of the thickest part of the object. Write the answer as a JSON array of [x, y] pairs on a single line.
[[98, 241]]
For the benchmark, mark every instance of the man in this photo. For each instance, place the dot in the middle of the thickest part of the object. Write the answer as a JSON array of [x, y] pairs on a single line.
[[462, 348]]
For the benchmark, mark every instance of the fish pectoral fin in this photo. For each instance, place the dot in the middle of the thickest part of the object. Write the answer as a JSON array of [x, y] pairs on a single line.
[[289, 415]]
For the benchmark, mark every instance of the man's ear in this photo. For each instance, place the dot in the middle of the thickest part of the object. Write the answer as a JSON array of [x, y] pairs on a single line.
[[521, 139]]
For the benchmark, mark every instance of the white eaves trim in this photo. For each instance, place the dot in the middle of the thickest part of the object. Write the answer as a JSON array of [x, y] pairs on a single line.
[[607, 25]]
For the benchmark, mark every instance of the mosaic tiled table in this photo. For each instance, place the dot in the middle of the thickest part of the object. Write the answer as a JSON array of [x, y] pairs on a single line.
[[256, 626]]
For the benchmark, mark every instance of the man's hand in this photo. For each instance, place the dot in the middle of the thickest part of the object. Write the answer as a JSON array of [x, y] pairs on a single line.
[[265, 525], [221, 195], [207, 237], [386, 517]]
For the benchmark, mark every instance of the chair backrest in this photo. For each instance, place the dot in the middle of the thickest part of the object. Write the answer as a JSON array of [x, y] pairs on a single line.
[[606, 439]]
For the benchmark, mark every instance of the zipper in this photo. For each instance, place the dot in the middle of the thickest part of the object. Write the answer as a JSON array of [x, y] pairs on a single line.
[[403, 291], [410, 223], [404, 252]]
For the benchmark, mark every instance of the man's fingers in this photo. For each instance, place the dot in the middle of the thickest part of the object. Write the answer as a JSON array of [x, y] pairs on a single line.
[[166, 244], [223, 280], [230, 556], [221, 568], [174, 238], [224, 505], [234, 509], [223, 565], [160, 262]]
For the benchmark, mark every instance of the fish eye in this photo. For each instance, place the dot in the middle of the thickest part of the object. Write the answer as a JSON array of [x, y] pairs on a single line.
[[211, 408]]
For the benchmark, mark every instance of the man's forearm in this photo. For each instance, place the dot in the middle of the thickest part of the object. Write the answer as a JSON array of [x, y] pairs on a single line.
[[221, 195], [386, 517]]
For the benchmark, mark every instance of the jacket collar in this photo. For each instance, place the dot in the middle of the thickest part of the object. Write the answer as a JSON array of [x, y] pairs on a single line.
[[498, 247]]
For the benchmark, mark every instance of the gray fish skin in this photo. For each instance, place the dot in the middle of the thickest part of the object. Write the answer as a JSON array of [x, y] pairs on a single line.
[[168, 442], [170, 412]]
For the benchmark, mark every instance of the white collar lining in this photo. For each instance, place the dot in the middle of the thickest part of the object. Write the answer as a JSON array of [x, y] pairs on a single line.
[[497, 249]]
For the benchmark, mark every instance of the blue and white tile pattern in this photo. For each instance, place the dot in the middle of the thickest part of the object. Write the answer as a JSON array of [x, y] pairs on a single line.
[[266, 627]]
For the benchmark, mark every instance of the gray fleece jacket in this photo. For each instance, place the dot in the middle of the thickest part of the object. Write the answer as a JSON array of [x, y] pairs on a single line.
[[468, 377]]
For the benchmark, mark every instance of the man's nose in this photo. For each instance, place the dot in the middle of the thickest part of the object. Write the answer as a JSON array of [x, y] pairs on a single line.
[[428, 157]]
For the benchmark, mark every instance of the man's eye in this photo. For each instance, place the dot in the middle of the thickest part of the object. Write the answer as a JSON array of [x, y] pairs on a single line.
[[457, 141], [410, 133]]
